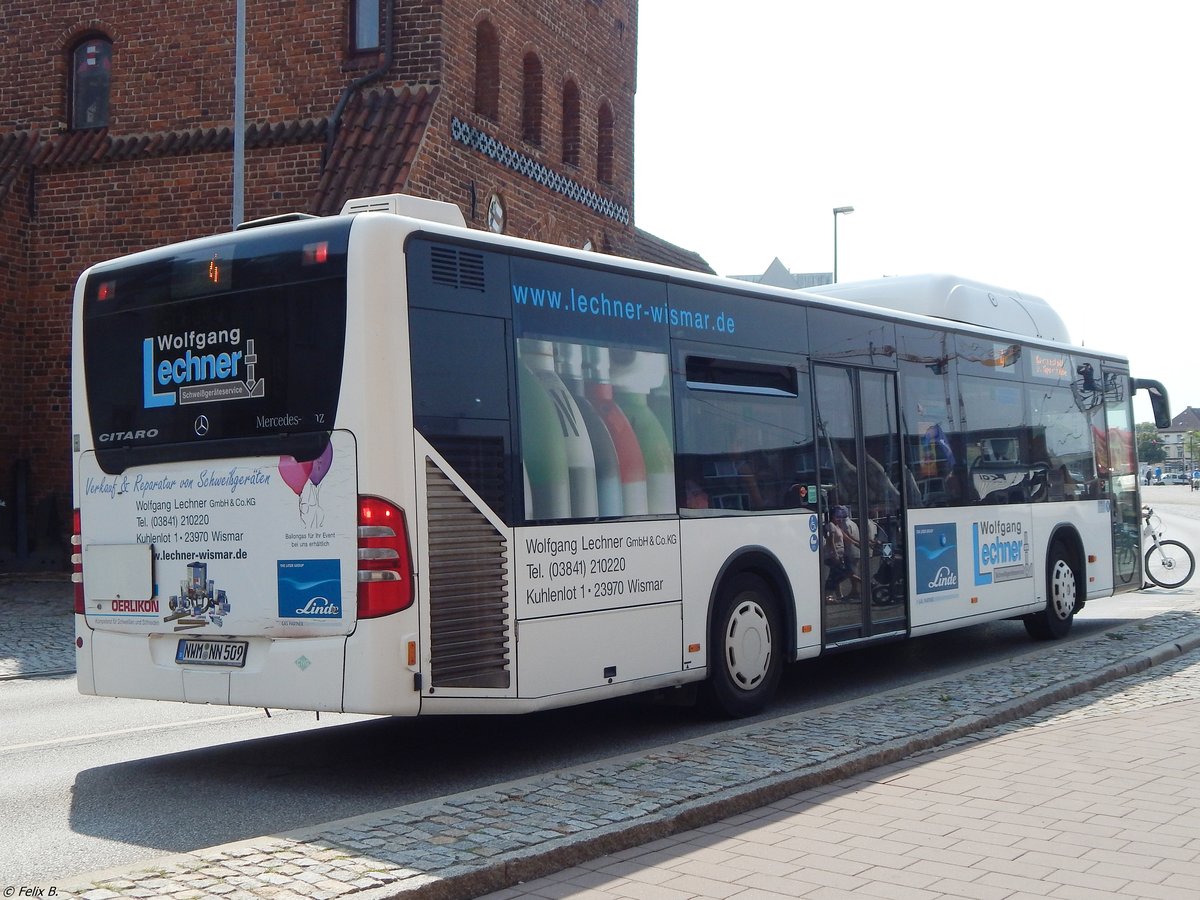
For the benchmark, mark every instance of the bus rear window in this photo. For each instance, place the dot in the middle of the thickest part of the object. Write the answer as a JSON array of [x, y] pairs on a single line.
[[226, 346]]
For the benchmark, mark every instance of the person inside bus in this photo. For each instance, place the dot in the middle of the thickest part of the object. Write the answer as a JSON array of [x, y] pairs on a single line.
[[934, 462], [842, 552], [694, 495]]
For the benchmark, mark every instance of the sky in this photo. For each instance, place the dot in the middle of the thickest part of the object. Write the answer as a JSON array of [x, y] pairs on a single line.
[[1045, 147]]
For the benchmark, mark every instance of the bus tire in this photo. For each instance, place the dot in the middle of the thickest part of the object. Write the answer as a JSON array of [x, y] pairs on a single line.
[[1062, 597], [746, 647]]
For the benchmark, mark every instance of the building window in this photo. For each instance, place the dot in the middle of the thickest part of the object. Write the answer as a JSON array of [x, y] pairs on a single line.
[[364, 26], [531, 100], [570, 124], [487, 71], [604, 144], [91, 80]]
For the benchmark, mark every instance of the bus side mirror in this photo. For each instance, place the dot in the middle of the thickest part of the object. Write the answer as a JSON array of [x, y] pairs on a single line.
[[1158, 400]]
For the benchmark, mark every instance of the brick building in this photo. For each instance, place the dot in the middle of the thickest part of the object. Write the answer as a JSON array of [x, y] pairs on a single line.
[[115, 135]]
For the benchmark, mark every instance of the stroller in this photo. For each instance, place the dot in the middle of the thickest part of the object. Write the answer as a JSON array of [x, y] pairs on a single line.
[[887, 578]]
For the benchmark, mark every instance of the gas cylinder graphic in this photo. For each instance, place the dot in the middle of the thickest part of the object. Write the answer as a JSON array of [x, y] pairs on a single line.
[[543, 450], [635, 373], [599, 389], [568, 362], [538, 356]]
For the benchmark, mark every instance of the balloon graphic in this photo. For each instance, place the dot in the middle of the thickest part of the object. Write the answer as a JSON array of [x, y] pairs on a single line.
[[294, 473], [321, 464]]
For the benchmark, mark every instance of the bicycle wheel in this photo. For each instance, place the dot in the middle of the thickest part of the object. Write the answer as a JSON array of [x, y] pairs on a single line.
[[1126, 561], [1169, 564]]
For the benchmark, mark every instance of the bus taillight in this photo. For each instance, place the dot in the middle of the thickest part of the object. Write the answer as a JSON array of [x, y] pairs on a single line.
[[315, 254], [77, 560], [384, 561]]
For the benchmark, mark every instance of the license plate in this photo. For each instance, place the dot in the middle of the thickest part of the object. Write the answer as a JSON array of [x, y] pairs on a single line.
[[211, 653]]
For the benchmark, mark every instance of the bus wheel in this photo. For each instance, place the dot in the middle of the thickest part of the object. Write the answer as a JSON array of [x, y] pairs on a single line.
[[1062, 598], [745, 648]]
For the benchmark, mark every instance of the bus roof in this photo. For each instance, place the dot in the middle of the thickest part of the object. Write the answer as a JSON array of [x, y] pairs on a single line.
[[940, 296], [957, 299]]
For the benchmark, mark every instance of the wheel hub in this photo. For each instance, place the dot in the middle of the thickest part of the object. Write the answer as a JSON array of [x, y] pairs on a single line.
[[748, 645], [1063, 594]]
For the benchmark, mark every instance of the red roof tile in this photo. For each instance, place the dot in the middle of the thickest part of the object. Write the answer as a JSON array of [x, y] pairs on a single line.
[[77, 148], [377, 140], [16, 148], [649, 248]]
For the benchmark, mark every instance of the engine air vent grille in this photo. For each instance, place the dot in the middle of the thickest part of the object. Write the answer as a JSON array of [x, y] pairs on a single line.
[[468, 591], [455, 268]]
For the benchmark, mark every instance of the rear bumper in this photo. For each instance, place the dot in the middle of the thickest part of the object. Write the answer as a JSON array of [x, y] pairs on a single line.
[[333, 674]]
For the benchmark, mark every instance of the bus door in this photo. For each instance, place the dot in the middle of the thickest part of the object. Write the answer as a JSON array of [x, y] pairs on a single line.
[[863, 558], [1116, 455]]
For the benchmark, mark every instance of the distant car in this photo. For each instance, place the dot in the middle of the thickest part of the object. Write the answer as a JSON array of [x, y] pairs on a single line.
[[1174, 478]]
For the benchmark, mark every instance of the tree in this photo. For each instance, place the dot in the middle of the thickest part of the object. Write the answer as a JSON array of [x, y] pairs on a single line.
[[1149, 444]]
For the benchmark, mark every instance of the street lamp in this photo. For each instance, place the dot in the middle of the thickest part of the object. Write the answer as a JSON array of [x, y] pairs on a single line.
[[838, 211]]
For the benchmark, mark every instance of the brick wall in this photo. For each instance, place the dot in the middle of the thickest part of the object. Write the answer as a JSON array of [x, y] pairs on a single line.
[[592, 43], [172, 74], [173, 63], [12, 278]]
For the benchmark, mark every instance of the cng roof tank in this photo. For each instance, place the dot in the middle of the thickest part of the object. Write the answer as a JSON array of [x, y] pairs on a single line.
[[957, 299]]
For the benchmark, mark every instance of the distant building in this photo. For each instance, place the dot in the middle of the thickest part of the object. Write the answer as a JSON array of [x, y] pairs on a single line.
[[117, 136], [777, 275], [1178, 455]]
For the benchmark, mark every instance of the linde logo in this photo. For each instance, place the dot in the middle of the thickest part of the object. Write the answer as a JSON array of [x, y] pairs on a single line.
[[319, 607], [944, 578], [936, 555], [196, 376], [309, 589]]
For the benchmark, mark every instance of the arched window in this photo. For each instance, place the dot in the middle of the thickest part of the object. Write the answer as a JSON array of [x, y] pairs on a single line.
[[570, 124], [531, 100], [604, 144], [487, 71], [91, 78]]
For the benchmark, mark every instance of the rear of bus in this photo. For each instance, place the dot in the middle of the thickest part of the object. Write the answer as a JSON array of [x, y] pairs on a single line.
[[224, 553]]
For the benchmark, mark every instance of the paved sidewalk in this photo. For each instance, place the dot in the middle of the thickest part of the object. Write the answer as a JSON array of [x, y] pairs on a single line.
[[508, 835], [1094, 797]]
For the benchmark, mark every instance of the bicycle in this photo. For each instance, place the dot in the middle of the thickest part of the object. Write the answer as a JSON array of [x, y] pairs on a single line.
[[1169, 563]]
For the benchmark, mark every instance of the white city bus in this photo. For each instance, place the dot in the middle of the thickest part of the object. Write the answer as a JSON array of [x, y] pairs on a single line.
[[383, 463]]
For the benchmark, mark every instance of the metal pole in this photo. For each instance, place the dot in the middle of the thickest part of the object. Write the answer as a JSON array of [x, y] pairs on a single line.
[[838, 211], [835, 215], [239, 119]]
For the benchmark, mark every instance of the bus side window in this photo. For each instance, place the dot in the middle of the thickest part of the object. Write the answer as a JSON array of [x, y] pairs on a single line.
[[462, 409], [743, 432]]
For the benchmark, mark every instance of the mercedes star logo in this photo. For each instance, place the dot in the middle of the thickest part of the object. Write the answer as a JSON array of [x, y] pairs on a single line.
[[201, 426]]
